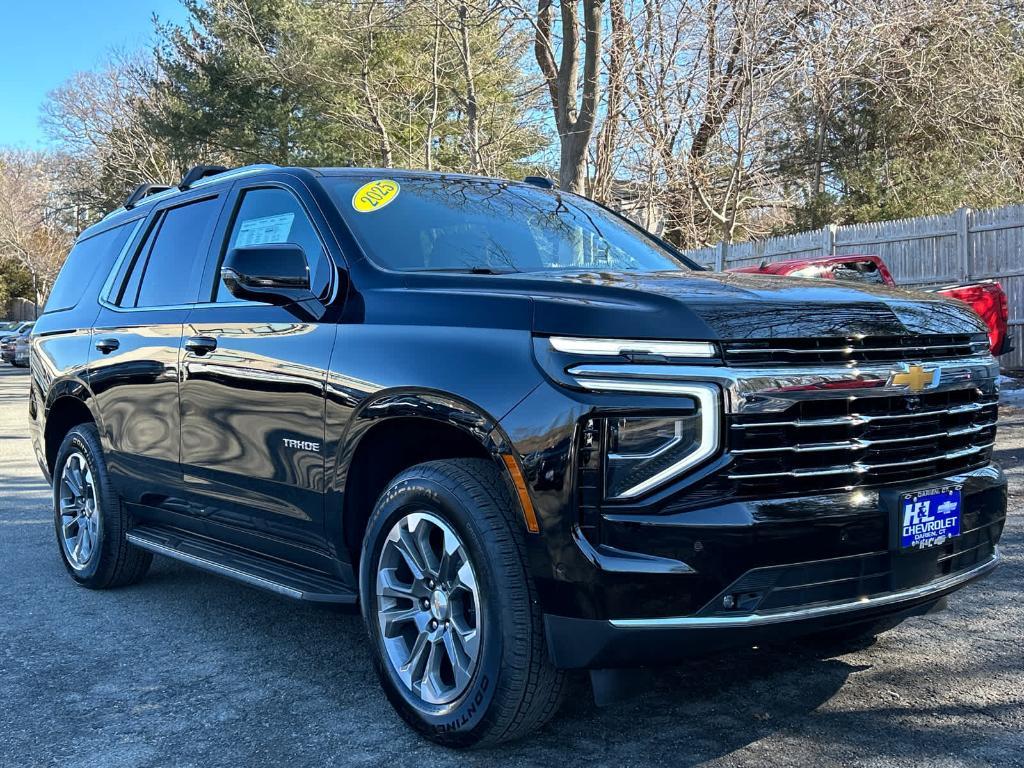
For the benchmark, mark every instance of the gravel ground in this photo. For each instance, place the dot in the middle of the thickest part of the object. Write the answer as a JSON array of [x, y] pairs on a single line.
[[187, 669]]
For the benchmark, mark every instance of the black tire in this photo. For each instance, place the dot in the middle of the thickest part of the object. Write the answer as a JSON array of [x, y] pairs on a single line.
[[113, 561], [514, 688]]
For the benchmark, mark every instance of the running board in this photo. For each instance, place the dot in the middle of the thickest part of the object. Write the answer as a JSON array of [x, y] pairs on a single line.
[[289, 580]]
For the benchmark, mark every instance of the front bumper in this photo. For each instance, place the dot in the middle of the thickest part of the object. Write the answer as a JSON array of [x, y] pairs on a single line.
[[751, 581], [593, 644]]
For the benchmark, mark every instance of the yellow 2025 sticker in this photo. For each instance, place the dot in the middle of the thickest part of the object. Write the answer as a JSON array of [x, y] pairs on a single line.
[[375, 195]]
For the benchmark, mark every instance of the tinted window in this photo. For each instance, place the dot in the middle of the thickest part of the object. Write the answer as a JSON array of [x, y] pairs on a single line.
[[860, 272], [88, 257], [465, 224], [169, 264], [274, 215], [856, 271]]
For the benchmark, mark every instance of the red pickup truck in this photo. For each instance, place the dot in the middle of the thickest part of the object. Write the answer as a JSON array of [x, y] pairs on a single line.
[[985, 297]]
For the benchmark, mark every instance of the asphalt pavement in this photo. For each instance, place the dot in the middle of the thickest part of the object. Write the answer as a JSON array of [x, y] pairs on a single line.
[[188, 669]]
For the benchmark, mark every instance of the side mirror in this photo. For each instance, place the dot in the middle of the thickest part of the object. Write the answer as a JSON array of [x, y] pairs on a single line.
[[276, 273]]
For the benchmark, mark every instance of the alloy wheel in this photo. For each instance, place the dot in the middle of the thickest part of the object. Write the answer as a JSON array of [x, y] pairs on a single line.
[[428, 607], [79, 512]]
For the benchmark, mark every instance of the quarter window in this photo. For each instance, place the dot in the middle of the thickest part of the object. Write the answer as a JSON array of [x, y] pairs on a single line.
[[168, 266], [274, 215], [82, 264]]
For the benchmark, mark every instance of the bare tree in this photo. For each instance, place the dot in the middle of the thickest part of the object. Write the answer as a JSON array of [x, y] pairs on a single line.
[[434, 88], [574, 106], [706, 81], [607, 149], [96, 118], [32, 233]]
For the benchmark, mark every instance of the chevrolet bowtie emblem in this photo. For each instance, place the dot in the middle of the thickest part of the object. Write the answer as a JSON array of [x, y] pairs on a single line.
[[915, 378]]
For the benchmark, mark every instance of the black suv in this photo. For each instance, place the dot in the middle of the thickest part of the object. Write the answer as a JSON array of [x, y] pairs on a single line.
[[522, 434]]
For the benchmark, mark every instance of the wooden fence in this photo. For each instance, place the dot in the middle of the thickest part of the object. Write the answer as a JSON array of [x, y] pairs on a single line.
[[926, 252]]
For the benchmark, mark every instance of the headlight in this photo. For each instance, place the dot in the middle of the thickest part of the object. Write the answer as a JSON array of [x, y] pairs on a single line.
[[642, 452]]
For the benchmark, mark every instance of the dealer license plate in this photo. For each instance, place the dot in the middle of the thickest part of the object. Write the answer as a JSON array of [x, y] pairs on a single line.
[[929, 518]]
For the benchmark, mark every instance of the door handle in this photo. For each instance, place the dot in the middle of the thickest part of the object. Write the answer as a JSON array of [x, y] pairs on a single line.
[[106, 346], [200, 345]]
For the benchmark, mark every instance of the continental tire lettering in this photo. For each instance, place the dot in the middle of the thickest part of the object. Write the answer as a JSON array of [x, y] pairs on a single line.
[[478, 699]]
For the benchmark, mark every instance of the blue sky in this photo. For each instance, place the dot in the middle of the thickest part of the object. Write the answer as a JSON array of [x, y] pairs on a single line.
[[44, 42]]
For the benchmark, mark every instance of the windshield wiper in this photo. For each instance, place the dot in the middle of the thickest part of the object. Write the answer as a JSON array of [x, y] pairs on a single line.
[[468, 270]]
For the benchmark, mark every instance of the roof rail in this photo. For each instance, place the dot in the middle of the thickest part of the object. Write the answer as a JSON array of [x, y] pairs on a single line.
[[145, 189], [232, 173], [208, 176], [539, 181], [197, 172]]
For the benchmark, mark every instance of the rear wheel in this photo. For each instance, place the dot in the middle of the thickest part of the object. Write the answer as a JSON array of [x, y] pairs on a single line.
[[90, 519], [450, 609]]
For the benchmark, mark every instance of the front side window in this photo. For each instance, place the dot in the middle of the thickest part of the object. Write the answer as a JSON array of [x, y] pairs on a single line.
[[458, 224], [273, 215], [168, 266]]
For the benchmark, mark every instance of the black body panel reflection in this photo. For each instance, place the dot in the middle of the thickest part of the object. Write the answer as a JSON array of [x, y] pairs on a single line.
[[136, 393], [252, 419]]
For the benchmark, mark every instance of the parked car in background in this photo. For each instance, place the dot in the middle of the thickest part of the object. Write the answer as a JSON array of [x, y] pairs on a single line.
[[985, 297], [7, 342], [21, 347]]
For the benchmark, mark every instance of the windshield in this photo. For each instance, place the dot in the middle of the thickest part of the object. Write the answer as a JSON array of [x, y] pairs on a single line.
[[432, 224]]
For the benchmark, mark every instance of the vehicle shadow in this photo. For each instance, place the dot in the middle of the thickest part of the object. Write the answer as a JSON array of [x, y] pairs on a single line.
[[691, 714], [312, 665], [206, 671]]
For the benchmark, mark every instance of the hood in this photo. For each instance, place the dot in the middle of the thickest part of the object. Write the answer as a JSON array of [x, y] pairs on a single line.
[[715, 305], [665, 305]]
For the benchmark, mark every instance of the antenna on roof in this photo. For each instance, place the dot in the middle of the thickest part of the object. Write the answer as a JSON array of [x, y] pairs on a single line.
[[197, 172], [143, 190], [539, 181]]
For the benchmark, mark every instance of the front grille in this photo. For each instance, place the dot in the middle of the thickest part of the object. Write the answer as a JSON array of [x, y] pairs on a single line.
[[859, 440], [867, 349]]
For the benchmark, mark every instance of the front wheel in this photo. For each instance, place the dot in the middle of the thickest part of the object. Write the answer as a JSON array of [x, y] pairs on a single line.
[[450, 609]]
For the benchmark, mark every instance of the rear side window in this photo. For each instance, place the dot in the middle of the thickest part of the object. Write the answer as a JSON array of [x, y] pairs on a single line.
[[88, 258], [169, 264]]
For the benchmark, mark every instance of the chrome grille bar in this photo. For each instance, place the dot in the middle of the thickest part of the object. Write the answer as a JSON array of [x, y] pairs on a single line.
[[855, 444], [860, 468], [859, 443], [858, 419]]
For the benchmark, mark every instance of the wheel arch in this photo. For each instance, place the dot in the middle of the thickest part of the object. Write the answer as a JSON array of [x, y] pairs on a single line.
[[397, 429], [68, 404]]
